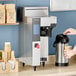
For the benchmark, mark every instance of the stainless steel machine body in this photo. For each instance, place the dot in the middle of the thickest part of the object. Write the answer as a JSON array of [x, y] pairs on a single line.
[[34, 33], [29, 35], [46, 26]]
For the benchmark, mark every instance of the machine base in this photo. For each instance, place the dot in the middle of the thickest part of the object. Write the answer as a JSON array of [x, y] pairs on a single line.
[[42, 64], [23, 64], [61, 64]]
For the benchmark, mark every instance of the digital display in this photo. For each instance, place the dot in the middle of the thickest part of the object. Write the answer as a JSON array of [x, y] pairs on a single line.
[[36, 29]]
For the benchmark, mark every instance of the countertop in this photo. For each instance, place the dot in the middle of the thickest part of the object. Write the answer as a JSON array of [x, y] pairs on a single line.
[[49, 70]]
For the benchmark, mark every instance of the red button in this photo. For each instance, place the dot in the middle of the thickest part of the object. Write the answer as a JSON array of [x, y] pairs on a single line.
[[37, 46]]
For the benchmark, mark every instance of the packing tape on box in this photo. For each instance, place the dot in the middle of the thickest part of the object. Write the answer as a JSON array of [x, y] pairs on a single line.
[[12, 63], [3, 65]]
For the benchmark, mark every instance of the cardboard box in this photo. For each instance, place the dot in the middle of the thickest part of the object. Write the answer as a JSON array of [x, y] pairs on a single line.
[[1, 70], [15, 68], [4, 67], [5, 56], [10, 6], [7, 47], [10, 13], [2, 6], [12, 55], [1, 55], [11, 16], [2, 14], [8, 55]]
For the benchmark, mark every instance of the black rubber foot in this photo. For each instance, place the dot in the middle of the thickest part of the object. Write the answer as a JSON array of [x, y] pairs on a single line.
[[23, 64], [61, 64], [40, 63], [34, 68], [43, 64]]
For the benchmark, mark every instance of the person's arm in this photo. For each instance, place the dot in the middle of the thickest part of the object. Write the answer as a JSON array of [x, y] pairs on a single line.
[[75, 52], [70, 53], [74, 49], [70, 31]]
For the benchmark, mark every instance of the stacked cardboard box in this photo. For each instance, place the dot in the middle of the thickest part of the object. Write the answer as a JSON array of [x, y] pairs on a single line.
[[2, 14], [13, 66], [7, 46], [4, 67], [7, 49], [8, 63], [12, 55], [1, 56], [8, 67], [7, 13], [10, 13]]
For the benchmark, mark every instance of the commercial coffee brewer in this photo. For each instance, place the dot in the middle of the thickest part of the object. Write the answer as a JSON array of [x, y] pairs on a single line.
[[29, 35], [60, 43], [33, 35], [46, 26]]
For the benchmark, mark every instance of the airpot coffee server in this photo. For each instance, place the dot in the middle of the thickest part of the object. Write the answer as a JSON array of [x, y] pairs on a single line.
[[60, 43]]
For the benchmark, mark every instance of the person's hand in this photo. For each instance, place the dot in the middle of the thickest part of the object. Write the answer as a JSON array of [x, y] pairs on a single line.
[[69, 53], [70, 31]]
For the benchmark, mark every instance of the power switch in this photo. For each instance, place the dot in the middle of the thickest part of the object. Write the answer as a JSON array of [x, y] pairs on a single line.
[[37, 46]]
